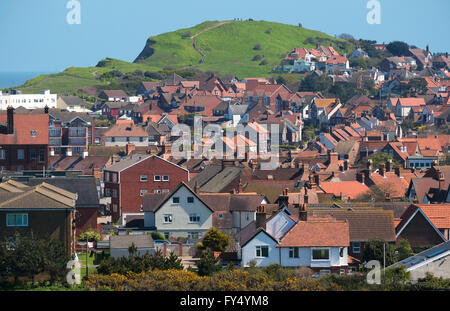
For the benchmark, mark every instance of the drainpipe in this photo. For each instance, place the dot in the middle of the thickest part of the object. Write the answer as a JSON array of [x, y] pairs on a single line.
[[279, 254]]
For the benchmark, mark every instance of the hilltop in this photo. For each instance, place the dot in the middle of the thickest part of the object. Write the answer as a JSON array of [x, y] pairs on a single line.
[[225, 47]]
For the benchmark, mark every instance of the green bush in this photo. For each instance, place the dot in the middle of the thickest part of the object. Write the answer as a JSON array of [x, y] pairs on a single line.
[[90, 235]]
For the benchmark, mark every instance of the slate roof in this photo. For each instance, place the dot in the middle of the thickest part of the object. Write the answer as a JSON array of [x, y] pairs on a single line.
[[364, 224], [85, 187], [42, 196]]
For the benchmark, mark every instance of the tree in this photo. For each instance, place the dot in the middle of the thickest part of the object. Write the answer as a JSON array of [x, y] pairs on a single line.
[[90, 235], [404, 250], [215, 240], [398, 48], [314, 83], [132, 250], [346, 36], [208, 264], [373, 250]]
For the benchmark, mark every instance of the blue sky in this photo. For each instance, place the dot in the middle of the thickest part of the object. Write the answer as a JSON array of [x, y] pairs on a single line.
[[35, 35]]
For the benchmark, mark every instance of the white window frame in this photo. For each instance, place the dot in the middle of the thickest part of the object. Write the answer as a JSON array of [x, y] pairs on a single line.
[[194, 218], [320, 248], [143, 178], [259, 249], [168, 218], [24, 220], [157, 178], [165, 178]]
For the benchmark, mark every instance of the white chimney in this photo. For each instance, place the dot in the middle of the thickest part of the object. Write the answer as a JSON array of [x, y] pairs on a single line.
[[52, 152], [69, 152], [85, 153]]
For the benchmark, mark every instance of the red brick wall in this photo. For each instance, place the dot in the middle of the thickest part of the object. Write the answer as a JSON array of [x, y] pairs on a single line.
[[130, 184], [86, 218], [420, 233]]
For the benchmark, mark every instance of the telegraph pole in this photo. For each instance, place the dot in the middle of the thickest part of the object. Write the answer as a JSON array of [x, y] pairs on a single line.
[[87, 258]]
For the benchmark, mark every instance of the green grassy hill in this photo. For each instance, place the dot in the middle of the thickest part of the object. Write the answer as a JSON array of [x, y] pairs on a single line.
[[226, 47]]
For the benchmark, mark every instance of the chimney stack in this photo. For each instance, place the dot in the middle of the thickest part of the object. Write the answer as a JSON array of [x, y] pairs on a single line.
[[441, 179], [46, 109], [316, 179], [240, 188], [360, 177], [306, 198], [388, 165], [397, 171], [369, 165], [10, 120], [197, 188], [345, 165], [130, 148], [261, 217], [381, 169], [333, 157], [69, 152], [302, 213]]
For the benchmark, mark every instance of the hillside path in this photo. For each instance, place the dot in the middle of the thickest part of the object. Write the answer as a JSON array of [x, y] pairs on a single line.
[[194, 43]]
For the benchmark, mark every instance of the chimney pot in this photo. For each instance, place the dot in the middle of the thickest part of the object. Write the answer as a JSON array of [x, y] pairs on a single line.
[[261, 217]]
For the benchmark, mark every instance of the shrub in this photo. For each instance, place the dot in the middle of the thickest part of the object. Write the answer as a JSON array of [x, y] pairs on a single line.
[[187, 34], [257, 57], [208, 264], [91, 235], [257, 47], [157, 236], [215, 240], [268, 31], [264, 62]]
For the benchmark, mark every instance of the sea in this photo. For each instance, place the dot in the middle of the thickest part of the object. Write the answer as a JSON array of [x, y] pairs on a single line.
[[12, 79]]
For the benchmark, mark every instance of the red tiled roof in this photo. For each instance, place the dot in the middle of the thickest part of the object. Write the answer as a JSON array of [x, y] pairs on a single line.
[[24, 124], [318, 233], [125, 130], [350, 189]]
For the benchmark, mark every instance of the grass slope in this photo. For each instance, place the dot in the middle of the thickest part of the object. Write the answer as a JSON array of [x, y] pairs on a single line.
[[227, 46]]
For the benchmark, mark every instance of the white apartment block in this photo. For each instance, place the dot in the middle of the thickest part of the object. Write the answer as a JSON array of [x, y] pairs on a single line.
[[28, 101]]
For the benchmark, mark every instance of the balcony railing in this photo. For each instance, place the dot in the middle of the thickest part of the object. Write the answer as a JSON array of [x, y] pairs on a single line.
[[77, 141], [77, 132], [55, 132]]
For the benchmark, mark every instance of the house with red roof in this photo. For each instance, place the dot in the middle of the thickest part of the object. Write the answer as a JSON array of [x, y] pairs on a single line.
[[24, 141], [320, 243], [403, 106], [124, 133], [425, 224]]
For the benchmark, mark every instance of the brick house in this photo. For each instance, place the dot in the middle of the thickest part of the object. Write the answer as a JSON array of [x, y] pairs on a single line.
[[127, 181], [425, 224], [45, 210], [87, 206], [24, 140]]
